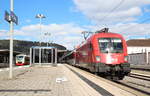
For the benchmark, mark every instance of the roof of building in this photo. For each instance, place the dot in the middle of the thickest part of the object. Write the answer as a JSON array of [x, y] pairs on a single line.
[[42, 47], [139, 42], [6, 52]]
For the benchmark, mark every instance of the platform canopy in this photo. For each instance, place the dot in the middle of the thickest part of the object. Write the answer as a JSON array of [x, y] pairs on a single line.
[[6, 52]]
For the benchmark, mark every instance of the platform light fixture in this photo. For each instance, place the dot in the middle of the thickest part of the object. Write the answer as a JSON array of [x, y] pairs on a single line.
[[40, 16]]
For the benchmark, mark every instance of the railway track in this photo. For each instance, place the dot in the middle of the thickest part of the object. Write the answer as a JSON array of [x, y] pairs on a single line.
[[139, 76], [138, 86], [122, 84], [137, 81], [133, 87], [140, 67], [141, 86]]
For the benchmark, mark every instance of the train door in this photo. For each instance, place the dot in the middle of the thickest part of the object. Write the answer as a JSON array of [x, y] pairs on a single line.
[[90, 53]]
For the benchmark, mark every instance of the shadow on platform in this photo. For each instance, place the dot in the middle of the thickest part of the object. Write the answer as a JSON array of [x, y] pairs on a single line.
[[24, 90]]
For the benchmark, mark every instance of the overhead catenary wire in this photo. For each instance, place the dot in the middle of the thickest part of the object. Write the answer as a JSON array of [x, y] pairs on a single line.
[[112, 10], [132, 26], [143, 21], [116, 7], [102, 19]]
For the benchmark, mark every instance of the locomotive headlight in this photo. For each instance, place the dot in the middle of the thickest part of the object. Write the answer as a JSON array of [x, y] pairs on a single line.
[[126, 58], [98, 58]]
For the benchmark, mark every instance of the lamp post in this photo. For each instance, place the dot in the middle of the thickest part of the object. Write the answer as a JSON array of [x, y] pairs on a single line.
[[11, 42], [40, 16], [47, 35]]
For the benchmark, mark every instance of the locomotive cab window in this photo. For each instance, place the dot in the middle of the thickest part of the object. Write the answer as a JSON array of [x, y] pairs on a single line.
[[110, 45], [19, 57]]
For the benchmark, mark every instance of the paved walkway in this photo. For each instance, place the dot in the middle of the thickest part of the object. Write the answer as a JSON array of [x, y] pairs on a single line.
[[44, 81]]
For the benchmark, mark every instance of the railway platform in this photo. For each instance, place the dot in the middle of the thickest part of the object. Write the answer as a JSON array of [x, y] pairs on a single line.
[[44, 81], [60, 80]]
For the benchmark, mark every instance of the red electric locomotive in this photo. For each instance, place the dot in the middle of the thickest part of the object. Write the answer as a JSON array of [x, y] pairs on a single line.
[[104, 53]]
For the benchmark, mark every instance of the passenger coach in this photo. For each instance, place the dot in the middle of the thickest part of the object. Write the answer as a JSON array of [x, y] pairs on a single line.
[[22, 59]]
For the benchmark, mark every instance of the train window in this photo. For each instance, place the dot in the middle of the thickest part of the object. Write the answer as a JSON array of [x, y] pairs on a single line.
[[19, 57], [110, 45]]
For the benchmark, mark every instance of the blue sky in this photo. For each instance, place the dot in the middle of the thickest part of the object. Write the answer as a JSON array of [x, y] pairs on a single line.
[[56, 11], [66, 19]]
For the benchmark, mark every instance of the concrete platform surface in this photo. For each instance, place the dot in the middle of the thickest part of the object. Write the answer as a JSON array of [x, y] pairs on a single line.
[[44, 81]]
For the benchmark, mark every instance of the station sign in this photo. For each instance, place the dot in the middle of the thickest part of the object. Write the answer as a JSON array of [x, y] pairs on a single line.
[[14, 18], [7, 17], [11, 17]]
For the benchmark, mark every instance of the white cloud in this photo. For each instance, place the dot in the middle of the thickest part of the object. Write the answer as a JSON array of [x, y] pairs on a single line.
[[4, 34], [130, 30], [70, 41], [69, 34], [97, 10], [64, 34]]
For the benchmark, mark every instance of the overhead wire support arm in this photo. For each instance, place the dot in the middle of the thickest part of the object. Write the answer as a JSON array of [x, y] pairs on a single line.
[[88, 33]]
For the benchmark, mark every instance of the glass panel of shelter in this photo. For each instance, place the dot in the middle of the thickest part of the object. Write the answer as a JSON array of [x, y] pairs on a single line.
[[48, 55]]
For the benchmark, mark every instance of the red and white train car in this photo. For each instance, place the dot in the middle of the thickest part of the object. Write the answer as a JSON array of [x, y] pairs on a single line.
[[104, 53], [22, 59]]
